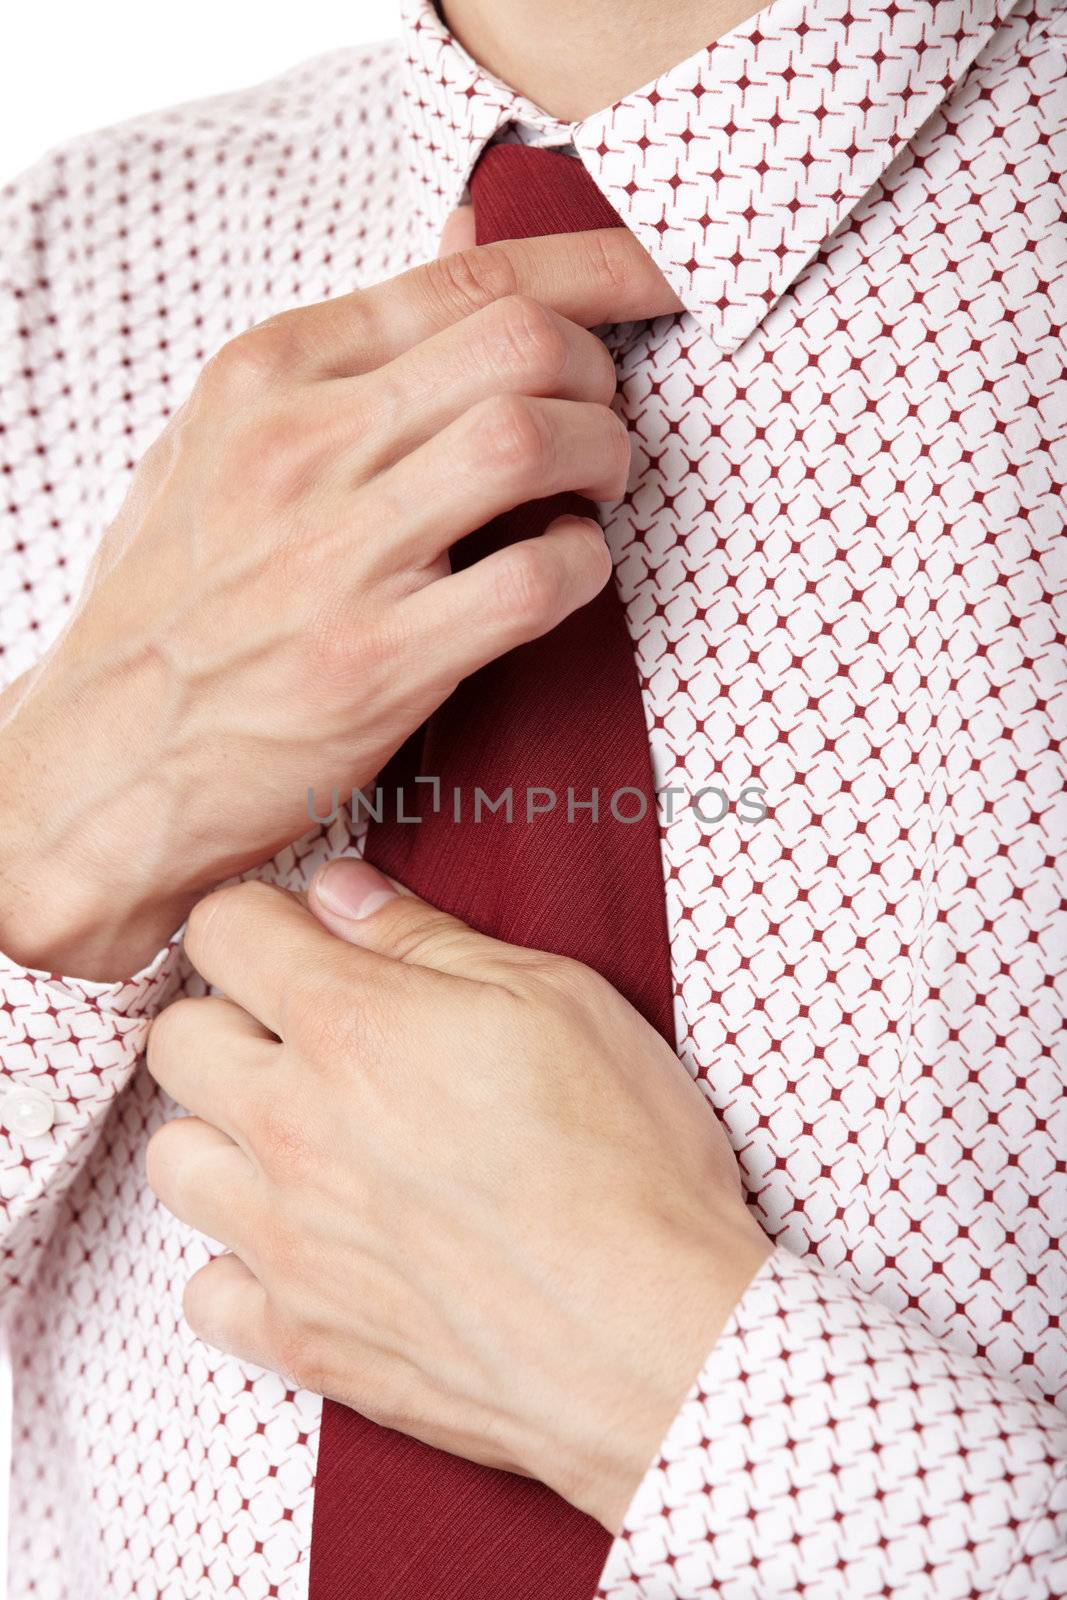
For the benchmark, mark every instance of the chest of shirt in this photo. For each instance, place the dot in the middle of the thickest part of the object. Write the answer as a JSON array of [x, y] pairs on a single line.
[[836, 558]]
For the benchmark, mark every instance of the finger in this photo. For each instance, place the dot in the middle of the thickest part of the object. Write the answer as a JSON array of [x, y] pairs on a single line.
[[458, 231], [203, 1178], [210, 1056], [226, 1306], [514, 346], [464, 621], [261, 946], [590, 278], [363, 907], [498, 455]]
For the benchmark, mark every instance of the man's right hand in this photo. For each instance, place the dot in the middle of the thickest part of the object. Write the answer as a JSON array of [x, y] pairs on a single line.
[[273, 608]]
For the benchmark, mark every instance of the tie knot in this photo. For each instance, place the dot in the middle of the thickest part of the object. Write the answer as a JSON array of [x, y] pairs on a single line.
[[521, 192]]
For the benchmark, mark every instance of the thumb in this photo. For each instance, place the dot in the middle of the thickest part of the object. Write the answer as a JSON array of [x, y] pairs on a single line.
[[363, 907]]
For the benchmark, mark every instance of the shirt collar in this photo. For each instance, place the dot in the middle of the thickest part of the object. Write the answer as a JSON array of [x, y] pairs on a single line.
[[735, 166]]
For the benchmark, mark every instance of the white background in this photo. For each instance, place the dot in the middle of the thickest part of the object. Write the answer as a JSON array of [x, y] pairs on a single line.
[[70, 65]]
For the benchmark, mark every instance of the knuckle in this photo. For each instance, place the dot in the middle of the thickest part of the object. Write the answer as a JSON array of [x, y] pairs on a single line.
[[167, 1031], [348, 323], [597, 555], [605, 379], [471, 279], [510, 434], [528, 583], [534, 340], [196, 1299], [616, 440], [575, 978], [201, 920], [575, 993], [245, 365], [161, 1158], [207, 1304], [212, 917], [419, 938], [610, 260]]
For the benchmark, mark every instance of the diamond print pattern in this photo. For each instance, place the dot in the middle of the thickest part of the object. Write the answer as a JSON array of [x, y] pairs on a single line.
[[842, 560]]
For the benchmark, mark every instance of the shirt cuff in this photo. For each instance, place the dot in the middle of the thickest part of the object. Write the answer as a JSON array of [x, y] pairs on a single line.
[[73, 1040], [68, 1046], [140, 995], [831, 1447]]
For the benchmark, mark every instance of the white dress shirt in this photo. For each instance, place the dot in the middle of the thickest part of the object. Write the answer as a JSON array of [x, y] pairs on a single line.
[[843, 563]]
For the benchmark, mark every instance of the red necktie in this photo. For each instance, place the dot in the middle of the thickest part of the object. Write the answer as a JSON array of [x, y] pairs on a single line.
[[395, 1519]]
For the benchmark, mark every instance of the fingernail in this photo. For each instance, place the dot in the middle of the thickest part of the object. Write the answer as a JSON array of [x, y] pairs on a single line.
[[350, 887]]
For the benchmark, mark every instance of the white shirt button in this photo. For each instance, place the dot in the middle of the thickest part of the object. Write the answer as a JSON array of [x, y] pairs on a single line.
[[28, 1112]]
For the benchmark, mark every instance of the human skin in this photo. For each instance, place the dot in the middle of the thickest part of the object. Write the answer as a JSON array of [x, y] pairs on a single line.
[[311, 489], [601, 50], [142, 731], [273, 607], [463, 1186]]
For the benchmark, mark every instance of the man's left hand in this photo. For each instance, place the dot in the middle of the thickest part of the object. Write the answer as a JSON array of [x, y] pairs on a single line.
[[466, 1188]]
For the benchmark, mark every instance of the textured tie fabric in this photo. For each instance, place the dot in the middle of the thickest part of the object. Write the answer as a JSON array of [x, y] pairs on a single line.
[[395, 1519]]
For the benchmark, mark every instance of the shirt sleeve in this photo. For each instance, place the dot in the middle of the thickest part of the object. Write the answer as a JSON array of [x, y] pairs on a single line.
[[833, 1450], [67, 1047]]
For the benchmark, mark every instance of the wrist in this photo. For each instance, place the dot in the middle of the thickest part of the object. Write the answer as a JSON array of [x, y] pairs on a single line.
[[87, 841], [59, 913], [668, 1327]]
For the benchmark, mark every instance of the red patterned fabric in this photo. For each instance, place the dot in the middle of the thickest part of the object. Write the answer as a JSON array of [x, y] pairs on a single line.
[[394, 1518], [842, 564]]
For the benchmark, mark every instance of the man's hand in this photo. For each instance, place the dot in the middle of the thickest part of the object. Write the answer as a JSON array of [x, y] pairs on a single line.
[[273, 608], [469, 1191]]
